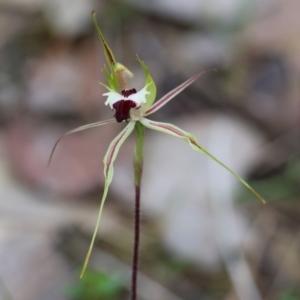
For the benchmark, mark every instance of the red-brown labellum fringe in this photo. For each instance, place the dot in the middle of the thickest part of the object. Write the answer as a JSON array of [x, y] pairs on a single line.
[[127, 93]]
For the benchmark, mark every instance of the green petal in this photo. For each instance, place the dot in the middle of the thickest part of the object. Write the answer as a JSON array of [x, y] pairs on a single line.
[[108, 161], [110, 78], [177, 132], [151, 87], [107, 87], [169, 96]]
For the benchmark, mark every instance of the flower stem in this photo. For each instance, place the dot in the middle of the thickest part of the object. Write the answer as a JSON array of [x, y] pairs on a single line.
[[135, 259], [138, 170]]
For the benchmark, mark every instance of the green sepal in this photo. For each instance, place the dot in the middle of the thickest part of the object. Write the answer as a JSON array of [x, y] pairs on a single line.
[[151, 87], [109, 75]]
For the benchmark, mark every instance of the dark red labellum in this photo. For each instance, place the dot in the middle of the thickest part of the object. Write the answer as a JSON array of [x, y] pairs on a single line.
[[123, 108]]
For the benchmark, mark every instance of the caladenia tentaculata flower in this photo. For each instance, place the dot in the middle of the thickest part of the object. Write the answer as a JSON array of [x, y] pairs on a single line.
[[133, 108]]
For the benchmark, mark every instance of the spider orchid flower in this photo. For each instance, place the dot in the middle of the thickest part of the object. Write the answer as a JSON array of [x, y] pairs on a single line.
[[134, 107]]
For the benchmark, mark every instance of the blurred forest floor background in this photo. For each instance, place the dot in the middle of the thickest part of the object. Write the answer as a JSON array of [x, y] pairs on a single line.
[[203, 235]]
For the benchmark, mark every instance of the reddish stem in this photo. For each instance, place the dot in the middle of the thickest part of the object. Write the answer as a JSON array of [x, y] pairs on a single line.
[[135, 260]]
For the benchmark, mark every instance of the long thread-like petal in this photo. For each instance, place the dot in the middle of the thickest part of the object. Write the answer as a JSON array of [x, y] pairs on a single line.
[[109, 159], [81, 128], [177, 132], [168, 97]]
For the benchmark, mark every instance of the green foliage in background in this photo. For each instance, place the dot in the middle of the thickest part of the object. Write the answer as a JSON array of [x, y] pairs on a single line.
[[289, 295], [282, 186], [96, 286]]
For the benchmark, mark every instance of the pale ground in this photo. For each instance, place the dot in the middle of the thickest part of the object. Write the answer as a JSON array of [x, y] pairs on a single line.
[[178, 185]]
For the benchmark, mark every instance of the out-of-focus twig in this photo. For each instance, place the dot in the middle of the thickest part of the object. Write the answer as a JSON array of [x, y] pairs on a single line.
[[292, 246], [4, 292], [222, 206]]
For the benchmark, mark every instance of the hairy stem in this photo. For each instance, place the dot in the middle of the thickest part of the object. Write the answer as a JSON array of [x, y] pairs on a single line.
[[135, 259], [138, 170]]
